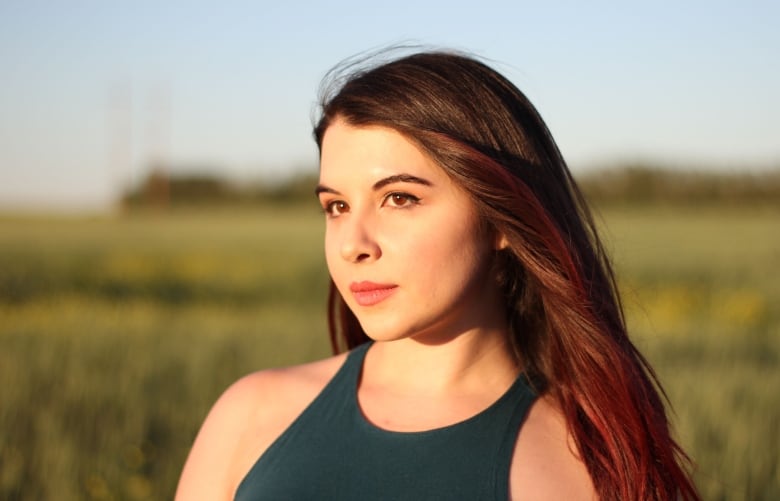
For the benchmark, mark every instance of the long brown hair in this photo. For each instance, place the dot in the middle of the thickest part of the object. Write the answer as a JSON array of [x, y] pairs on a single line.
[[564, 311]]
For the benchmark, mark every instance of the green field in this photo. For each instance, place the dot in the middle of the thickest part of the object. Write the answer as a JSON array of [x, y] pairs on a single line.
[[117, 333]]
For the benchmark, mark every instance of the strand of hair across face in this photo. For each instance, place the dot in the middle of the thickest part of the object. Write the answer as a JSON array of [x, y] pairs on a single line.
[[605, 388]]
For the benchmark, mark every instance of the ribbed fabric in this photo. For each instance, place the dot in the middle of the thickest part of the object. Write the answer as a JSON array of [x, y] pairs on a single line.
[[331, 452]]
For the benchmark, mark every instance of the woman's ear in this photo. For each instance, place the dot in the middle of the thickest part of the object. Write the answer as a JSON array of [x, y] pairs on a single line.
[[500, 241]]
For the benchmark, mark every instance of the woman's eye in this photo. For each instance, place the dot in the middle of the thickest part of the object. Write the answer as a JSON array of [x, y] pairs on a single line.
[[336, 208], [401, 199]]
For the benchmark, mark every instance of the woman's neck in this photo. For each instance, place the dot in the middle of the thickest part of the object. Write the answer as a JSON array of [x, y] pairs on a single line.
[[465, 364]]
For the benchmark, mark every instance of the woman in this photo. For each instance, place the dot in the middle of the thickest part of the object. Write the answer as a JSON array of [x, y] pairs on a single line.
[[488, 353]]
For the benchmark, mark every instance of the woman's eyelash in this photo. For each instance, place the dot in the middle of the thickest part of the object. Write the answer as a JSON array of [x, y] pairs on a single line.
[[335, 207], [402, 199], [397, 199]]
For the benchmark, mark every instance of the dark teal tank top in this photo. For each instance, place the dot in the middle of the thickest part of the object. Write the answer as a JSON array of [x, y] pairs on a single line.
[[331, 452]]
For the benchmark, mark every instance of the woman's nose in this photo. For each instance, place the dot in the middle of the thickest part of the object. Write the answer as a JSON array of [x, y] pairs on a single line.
[[358, 240]]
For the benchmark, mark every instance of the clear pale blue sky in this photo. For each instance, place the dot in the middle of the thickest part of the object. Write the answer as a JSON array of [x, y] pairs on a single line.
[[92, 92]]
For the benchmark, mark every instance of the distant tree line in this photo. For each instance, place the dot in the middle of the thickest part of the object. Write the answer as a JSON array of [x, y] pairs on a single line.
[[630, 185], [162, 190], [647, 185]]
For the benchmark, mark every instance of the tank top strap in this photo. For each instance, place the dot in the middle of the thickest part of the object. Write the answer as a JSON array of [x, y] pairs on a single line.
[[520, 398], [341, 390], [353, 365]]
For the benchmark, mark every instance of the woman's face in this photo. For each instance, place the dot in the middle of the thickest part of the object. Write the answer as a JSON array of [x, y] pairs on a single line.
[[403, 243]]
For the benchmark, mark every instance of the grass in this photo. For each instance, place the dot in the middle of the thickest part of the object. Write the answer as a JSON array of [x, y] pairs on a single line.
[[701, 295], [118, 333]]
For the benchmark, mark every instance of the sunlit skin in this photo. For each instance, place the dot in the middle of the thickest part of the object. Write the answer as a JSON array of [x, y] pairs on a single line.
[[394, 218], [406, 249]]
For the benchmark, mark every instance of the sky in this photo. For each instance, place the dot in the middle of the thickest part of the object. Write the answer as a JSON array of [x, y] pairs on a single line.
[[93, 93]]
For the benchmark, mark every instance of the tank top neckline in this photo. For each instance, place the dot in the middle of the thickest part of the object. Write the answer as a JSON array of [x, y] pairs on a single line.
[[353, 369], [332, 451]]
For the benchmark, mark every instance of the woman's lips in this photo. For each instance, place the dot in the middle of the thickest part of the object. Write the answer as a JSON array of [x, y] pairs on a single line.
[[370, 293]]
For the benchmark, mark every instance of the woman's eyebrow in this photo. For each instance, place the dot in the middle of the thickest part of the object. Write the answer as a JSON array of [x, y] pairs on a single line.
[[401, 178], [321, 188], [397, 178]]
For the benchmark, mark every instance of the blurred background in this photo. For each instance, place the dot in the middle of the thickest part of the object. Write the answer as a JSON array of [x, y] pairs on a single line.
[[159, 237]]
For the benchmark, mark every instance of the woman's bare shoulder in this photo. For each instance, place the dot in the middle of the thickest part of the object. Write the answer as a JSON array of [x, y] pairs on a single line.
[[265, 390], [546, 463], [246, 419]]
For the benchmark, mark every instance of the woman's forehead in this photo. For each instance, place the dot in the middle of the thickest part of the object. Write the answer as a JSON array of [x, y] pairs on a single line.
[[372, 151]]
